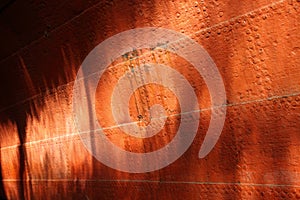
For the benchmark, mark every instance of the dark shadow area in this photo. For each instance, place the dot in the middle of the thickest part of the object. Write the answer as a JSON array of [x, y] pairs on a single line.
[[2, 190], [5, 4], [23, 162]]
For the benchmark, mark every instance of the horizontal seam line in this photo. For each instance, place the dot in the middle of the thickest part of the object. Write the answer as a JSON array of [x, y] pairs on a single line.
[[152, 181], [174, 115]]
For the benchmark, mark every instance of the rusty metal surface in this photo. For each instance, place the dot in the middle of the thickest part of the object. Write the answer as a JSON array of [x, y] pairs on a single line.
[[256, 47]]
